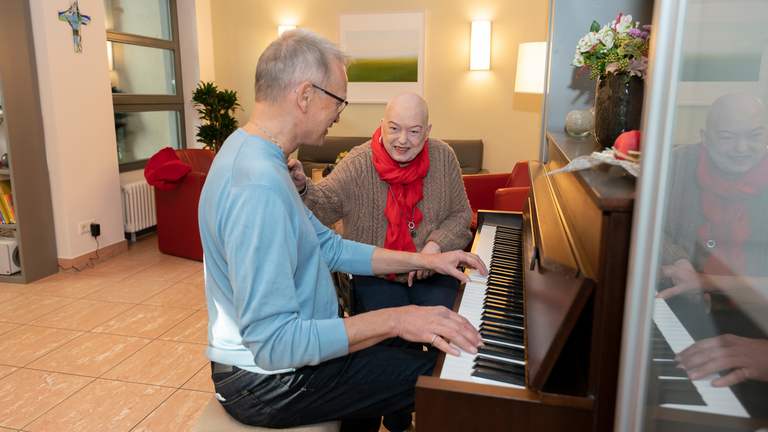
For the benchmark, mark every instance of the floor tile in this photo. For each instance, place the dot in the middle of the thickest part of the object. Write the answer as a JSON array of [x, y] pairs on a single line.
[[118, 267], [6, 370], [82, 315], [26, 308], [6, 327], [75, 286], [173, 269], [92, 354], [198, 278], [151, 254], [103, 406], [18, 288], [144, 321], [7, 295], [28, 394], [25, 344], [201, 381], [161, 363], [193, 329], [180, 295], [131, 290], [179, 413]]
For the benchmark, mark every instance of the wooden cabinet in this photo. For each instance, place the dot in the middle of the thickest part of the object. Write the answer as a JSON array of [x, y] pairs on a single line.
[[23, 124]]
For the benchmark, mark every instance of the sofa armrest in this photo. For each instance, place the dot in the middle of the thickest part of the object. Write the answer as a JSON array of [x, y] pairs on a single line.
[[483, 171], [510, 199], [480, 189]]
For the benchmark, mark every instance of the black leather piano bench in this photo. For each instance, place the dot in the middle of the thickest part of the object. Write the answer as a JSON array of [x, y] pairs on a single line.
[[215, 419]]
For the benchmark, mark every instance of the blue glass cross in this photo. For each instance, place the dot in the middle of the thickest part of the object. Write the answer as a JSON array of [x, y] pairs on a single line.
[[75, 20]]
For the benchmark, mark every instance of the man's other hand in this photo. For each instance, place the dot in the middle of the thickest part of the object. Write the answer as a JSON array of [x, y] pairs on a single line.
[[434, 325], [296, 171], [749, 358]]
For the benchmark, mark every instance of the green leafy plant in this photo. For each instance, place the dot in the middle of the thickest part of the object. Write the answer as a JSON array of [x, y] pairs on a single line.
[[340, 157], [215, 108]]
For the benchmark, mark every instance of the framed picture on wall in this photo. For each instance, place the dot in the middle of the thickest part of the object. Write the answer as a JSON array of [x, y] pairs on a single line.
[[388, 49]]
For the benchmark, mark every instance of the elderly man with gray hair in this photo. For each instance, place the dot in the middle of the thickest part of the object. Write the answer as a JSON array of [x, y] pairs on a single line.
[[280, 355]]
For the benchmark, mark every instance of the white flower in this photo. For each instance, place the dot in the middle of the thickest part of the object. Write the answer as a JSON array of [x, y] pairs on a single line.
[[624, 24], [606, 36], [579, 60], [638, 66], [587, 42], [612, 67]]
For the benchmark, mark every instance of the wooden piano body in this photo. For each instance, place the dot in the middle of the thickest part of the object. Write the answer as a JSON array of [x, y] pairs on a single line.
[[580, 226]]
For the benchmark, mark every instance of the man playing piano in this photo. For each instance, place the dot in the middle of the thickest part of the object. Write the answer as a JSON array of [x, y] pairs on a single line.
[[401, 191], [716, 237], [280, 356]]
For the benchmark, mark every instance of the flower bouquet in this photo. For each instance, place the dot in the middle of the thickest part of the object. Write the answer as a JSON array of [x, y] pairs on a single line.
[[617, 56], [620, 46]]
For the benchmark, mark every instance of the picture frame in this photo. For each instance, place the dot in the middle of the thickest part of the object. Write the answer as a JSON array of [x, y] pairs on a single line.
[[388, 48]]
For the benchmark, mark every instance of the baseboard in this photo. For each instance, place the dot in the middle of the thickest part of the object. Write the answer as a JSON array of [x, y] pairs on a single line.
[[104, 253]]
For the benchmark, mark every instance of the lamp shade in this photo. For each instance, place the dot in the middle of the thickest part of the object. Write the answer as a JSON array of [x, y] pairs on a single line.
[[480, 46], [531, 61]]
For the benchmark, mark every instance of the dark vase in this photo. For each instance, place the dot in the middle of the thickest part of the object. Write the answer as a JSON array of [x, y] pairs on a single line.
[[618, 107]]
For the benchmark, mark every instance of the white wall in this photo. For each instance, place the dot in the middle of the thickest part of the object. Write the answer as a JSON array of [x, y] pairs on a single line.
[[79, 126]]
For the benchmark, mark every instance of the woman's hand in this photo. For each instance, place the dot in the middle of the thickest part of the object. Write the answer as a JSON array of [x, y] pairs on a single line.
[[296, 171], [446, 263], [685, 278], [749, 358], [429, 248]]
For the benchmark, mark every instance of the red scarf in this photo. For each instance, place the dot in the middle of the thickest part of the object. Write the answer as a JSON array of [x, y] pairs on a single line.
[[722, 200], [407, 185]]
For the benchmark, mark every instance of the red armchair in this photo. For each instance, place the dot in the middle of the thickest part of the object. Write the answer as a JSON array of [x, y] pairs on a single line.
[[177, 230], [498, 191]]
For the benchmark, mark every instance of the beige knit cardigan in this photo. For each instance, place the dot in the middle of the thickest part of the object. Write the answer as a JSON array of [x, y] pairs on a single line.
[[355, 194]]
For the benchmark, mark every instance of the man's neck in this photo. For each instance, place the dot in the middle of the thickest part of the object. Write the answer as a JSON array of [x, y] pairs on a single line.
[[269, 123]]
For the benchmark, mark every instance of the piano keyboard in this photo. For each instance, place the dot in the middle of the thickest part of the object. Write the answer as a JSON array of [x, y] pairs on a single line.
[[714, 400], [494, 304]]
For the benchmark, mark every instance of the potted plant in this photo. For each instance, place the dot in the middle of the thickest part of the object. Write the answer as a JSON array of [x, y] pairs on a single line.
[[615, 54], [216, 108]]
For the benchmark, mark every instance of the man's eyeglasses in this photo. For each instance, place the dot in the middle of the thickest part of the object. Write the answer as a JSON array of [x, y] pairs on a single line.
[[342, 101]]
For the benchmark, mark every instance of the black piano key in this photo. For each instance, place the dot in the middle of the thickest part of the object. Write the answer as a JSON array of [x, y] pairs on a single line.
[[515, 307], [669, 369], [680, 392], [514, 331], [482, 372], [499, 337], [503, 351], [501, 319], [512, 367], [502, 312]]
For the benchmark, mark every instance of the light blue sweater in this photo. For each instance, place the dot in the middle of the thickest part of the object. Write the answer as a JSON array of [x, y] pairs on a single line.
[[271, 302]]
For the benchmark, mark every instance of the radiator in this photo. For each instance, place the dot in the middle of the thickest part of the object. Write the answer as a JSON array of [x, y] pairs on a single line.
[[138, 207]]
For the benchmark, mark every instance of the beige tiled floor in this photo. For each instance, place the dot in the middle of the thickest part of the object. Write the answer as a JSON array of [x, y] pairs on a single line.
[[120, 347]]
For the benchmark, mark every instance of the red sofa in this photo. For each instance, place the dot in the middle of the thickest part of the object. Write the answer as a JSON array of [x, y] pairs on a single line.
[[177, 230], [498, 191]]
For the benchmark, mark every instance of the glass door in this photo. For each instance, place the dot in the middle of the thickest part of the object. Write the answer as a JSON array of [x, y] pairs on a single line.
[[695, 344]]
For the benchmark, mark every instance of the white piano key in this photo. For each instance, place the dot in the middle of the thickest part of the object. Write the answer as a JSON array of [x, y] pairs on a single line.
[[719, 400]]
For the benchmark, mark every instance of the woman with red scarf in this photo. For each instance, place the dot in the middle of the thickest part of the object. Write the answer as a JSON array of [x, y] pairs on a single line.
[[716, 233], [401, 191]]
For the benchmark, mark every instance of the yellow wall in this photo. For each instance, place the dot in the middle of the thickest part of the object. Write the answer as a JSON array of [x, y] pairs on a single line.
[[463, 104]]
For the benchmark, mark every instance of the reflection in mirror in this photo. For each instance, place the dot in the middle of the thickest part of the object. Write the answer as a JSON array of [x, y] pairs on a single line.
[[709, 346]]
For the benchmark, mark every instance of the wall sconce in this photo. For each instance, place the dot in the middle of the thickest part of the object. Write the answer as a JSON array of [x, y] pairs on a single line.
[[480, 46], [531, 60], [281, 29]]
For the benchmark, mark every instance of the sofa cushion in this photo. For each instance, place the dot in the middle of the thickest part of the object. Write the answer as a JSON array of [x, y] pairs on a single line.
[[468, 152]]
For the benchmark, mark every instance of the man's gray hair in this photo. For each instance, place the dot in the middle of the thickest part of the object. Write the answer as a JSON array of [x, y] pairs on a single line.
[[296, 56]]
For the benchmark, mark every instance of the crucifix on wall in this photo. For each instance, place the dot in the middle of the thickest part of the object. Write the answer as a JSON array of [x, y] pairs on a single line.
[[75, 20]]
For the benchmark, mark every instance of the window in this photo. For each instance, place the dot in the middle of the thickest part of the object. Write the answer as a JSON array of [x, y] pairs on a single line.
[[145, 74]]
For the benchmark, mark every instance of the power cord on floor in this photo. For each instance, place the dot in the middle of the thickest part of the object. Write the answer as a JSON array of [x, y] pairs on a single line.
[[87, 265]]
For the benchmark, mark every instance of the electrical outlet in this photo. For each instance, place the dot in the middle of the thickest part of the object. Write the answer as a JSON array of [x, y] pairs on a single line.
[[85, 227]]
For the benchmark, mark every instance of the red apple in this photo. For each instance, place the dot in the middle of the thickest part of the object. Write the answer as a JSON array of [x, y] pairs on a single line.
[[626, 142]]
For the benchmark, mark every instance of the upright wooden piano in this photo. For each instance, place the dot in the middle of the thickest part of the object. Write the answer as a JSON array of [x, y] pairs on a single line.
[[550, 312]]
